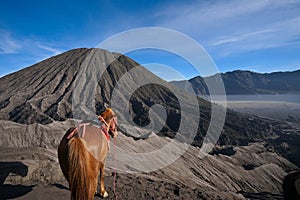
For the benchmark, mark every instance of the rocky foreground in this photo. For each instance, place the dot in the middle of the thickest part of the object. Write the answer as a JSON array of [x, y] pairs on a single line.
[[30, 169]]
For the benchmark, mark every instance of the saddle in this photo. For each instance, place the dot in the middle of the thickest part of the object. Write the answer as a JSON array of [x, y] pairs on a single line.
[[94, 135]]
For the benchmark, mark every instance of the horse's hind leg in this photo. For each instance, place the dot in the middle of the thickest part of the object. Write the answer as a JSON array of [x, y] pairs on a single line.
[[103, 192]]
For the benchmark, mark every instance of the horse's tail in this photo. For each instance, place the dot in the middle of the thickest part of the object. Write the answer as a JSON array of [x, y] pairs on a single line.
[[78, 170]]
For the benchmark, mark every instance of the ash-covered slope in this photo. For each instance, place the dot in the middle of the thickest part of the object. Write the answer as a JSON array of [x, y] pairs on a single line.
[[41, 93]]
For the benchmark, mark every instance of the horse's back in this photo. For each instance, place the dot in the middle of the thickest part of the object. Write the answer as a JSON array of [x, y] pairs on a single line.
[[96, 142]]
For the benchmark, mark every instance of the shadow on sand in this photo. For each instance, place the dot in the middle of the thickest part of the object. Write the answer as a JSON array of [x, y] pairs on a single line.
[[13, 191], [16, 168], [60, 186]]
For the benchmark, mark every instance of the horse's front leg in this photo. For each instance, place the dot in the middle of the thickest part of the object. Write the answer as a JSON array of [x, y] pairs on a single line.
[[103, 192]]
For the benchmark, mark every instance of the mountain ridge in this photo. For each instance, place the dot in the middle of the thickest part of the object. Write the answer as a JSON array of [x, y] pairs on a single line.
[[241, 82]]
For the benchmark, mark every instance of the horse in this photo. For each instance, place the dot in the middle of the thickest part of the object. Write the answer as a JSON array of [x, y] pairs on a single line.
[[82, 153]]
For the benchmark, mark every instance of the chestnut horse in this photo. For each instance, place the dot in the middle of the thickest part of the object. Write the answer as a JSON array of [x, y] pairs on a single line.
[[82, 153]]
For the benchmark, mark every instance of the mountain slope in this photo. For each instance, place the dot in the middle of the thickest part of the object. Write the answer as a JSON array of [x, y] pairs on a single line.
[[33, 94], [247, 82]]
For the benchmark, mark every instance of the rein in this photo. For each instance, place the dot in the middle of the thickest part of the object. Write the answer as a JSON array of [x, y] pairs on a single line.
[[76, 129], [114, 152], [105, 123], [115, 172], [105, 133]]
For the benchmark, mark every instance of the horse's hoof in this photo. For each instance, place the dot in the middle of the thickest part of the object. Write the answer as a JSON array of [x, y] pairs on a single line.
[[105, 194]]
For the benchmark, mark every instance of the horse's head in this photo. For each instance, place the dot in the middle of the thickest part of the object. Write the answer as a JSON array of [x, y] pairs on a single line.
[[111, 119]]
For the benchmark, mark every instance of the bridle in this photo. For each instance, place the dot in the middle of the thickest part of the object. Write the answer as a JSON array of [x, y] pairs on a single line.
[[114, 120]]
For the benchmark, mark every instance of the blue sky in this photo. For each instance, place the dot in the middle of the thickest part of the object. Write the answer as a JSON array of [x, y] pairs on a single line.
[[261, 36]]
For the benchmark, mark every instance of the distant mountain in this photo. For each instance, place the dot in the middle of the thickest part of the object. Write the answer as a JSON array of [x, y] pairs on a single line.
[[247, 82]]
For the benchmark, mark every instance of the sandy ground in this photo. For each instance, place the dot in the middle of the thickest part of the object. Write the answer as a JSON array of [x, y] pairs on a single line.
[[125, 186], [30, 173], [248, 172], [54, 191]]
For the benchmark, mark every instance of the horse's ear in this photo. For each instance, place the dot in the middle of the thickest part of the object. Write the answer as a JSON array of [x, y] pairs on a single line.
[[105, 105]]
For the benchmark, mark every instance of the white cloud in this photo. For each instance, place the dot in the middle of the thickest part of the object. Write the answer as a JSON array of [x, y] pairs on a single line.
[[242, 36], [8, 44], [208, 14], [278, 34], [39, 50], [31, 46], [27, 51], [228, 27], [51, 50]]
